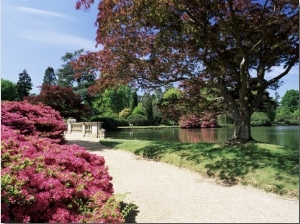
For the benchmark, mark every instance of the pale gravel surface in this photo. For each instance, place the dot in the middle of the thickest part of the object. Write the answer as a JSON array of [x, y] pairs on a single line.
[[168, 194]]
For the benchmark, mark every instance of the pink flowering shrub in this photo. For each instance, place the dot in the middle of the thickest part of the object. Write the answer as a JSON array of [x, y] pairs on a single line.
[[32, 119], [194, 121], [42, 181]]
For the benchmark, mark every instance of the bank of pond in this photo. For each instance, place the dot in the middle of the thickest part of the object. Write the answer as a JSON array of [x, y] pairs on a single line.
[[278, 135], [270, 167]]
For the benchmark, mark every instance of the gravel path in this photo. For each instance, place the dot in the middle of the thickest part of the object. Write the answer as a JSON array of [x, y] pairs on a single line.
[[165, 193]]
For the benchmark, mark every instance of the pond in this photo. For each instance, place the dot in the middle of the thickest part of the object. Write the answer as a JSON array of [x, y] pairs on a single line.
[[281, 135]]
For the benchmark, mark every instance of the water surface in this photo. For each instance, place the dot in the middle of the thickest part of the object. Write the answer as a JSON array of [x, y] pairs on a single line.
[[281, 135]]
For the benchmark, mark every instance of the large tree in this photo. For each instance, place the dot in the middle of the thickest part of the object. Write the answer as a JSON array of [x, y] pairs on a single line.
[[66, 74], [78, 80], [49, 77], [24, 85], [227, 45]]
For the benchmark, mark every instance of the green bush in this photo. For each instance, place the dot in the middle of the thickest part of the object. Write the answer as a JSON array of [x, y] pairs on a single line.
[[121, 122], [291, 121], [138, 110], [260, 119], [125, 113], [109, 123], [287, 118], [137, 119]]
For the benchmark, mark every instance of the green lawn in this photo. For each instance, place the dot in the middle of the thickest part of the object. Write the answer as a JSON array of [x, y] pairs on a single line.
[[270, 167]]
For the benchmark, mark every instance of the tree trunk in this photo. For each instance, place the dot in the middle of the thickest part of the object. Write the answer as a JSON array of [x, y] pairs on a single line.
[[242, 129], [241, 110]]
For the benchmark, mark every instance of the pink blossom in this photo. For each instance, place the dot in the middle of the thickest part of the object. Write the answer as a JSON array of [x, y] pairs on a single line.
[[45, 181]]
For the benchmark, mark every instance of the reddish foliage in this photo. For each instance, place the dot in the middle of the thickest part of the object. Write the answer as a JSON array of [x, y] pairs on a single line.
[[46, 182], [31, 119], [223, 45], [62, 99], [42, 181], [194, 121]]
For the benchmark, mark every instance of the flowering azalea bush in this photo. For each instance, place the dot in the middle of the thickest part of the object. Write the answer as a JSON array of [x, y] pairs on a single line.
[[194, 121], [43, 180], [32, 119]]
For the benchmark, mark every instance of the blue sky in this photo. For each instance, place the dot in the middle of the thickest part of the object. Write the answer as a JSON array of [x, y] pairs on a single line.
[[35, 34]]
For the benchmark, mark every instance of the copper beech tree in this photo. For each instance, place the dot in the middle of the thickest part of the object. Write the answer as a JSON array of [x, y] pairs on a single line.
[[225, 47]]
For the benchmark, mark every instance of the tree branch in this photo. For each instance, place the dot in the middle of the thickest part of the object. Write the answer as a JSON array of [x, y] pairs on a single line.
[[275, 79]]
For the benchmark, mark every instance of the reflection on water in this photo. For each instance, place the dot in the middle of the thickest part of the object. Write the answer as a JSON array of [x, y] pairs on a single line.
[[198, 135], [281, 135]]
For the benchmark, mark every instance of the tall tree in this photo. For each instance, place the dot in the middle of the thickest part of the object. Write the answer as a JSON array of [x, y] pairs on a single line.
[[80, 81], [290, 101], [147, 104], [49, 77], [134, 100], [226, 45], [66, 74], [24, 85], [8, 90]]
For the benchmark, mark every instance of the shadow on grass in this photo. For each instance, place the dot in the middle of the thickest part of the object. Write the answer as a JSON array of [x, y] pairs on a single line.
[[273, 168], [236, 161], [229, 163]]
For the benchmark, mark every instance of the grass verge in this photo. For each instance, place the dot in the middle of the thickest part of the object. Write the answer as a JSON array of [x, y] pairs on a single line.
[[272, 168]]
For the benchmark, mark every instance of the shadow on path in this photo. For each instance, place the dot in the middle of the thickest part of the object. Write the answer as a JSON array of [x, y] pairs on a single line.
[[89, 145]]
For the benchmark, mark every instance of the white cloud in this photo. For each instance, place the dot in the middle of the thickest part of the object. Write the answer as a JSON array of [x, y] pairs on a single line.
[[41, 12], [59, 39]]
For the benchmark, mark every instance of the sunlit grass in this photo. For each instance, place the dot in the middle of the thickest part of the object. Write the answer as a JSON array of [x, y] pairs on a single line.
[[270, 167]]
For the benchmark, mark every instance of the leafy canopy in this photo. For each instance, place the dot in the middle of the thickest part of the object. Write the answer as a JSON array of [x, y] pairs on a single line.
[[8, 90], [63, 100], [290, 100], [225, 47]]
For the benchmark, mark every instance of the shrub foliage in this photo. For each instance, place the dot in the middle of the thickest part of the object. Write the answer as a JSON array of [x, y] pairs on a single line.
[[46, 182], [194, 121], [137, 119], [260, 119], [32, 119]]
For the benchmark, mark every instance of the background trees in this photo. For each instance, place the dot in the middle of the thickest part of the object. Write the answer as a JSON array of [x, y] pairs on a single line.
[[8, 90], [62, 99], [112, 101], [228, 46], [288, 110], [80, 81], [24, 85], [290, 101], [49, 77], [66, 73]]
